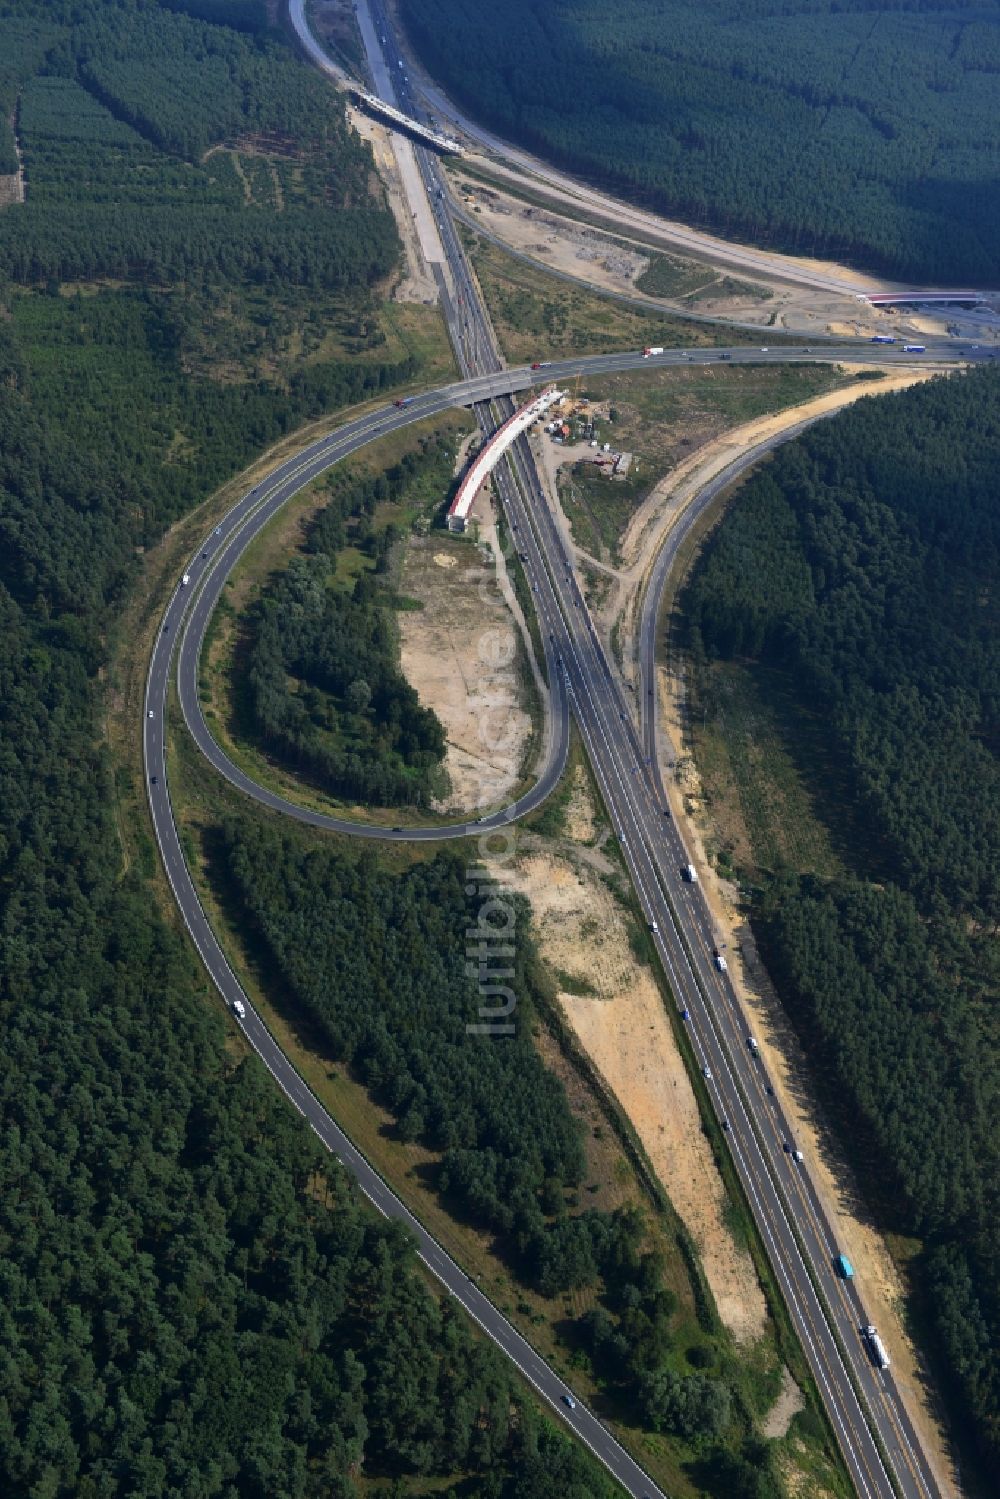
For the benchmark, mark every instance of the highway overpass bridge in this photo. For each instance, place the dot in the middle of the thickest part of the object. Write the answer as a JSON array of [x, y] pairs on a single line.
[[931, 298], [491, 453], [394, 116]]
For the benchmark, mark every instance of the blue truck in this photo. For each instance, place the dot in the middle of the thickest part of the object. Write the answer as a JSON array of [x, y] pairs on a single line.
[[843, 1267]]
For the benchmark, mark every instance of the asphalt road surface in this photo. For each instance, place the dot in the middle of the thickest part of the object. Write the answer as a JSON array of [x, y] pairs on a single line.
[[878, 1445], [786, 1210]]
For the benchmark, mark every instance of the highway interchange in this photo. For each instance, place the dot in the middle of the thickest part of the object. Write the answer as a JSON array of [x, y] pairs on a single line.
[[878, 1444]]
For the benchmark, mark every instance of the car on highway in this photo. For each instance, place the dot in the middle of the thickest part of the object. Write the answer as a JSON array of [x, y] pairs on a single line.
[[708, 1073], [654, 926], [568, 1400], [685, 1014], [152, 780]]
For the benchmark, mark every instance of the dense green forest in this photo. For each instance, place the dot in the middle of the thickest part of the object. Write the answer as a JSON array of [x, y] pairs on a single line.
[[194, 1300], [862, 563], [867, 130], [124, 104], [324, 687], [328, 924]]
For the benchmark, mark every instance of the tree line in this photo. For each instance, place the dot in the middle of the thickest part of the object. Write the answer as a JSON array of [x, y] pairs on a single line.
[[325, 692], [862, 563], [377, 962], [195, 1298], [861, 129]]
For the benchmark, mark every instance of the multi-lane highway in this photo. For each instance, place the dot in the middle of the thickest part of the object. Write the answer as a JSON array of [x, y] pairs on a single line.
[[878, 1444], [185, 617], [211, 567], [578, 673]]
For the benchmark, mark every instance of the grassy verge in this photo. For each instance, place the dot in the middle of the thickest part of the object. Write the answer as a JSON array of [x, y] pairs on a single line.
[[671, 276], [537, 315]]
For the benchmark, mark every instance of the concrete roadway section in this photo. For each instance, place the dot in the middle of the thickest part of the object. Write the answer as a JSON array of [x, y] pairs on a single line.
[[677, 920], [213, 564]]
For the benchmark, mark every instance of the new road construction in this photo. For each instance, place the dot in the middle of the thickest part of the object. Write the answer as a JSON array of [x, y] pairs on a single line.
[[491, 453], [880, 1449], [582, 684], [394, 116]]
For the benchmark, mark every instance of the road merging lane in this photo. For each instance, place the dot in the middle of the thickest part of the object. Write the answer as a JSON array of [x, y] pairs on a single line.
[[577, 670]]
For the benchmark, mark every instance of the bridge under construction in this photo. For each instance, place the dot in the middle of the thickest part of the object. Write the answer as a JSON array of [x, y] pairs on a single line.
[[493, 450], [394, 116]]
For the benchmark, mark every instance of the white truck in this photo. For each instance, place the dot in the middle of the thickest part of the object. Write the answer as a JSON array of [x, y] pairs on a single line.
[[720, 962], [239, 1009], [691, 874], [185, 580], [648, 353], [876, 1348]]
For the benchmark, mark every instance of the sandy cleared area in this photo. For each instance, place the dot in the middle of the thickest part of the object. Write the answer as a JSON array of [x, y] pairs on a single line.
[[460, 653], [612, 262], [620, 1020], [855, 1234], [789, 1401], [417, 284]]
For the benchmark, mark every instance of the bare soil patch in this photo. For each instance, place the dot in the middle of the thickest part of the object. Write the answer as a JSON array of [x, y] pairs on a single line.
[[711, 817], [790, 1400], [460, 652], [417, 284], [614, 1007]]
